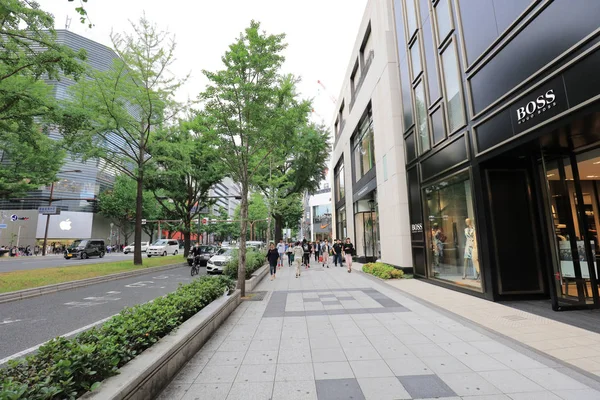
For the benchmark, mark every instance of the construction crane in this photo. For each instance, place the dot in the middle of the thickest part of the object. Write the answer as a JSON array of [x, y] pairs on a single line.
[[332, 98]]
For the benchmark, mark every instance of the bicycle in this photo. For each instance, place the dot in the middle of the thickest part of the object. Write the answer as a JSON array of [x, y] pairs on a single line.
[[196, 266]]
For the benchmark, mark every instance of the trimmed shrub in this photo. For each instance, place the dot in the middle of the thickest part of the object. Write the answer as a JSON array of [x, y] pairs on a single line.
[[67, 368], [383, 271], [254, 260]]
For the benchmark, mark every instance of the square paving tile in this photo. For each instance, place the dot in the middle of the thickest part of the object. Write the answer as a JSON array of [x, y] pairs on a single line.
[[218, 374], [324, 342], [298, 390], [251, 391], [265, 343], [294, 355], [410, 365], [354, 341], [534, 396], [175, 391], [517, 361], [445, 365], [425, 386], [329, 354], [361, 353], [371, 369], [213, 391], [511, 382], [482, 362], [333, 370], [469, 384], [584, 394], [261, 357], [256, 373], [227, 358], [295, 372], [383, 389], [551, 379], [339, 389]]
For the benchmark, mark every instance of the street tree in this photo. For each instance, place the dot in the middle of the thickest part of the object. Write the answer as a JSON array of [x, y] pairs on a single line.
[[298, 167], [257, 211], [119, 205], [184, 168], [221, 225], [244, 110], [113, 115], [29, 55]]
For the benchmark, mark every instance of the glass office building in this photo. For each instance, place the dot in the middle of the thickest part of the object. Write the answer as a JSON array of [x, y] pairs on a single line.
[[501, 126]]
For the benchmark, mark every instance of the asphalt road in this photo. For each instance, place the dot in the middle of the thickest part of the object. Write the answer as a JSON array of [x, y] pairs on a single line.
[[35, 262], [27, 323]]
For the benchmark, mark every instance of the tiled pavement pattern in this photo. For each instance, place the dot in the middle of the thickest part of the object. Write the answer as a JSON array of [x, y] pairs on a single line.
[[332, 335]]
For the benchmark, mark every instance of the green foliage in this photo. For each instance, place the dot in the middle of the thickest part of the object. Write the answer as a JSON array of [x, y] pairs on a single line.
[[222, 229], [383, 271], [257, 210], [119, 204], [67, 368], [254, 260], [30, 54]]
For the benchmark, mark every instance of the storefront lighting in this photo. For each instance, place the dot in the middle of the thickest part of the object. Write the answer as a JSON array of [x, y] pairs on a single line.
[[549, 175]]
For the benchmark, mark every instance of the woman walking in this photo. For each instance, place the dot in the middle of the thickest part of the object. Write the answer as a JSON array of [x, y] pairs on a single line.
[[325, 249], [297, 254], [290, 253], [273, 257], [348, 251]]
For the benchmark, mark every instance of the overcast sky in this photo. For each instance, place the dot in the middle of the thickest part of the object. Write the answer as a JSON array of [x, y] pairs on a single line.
[[320, 35]]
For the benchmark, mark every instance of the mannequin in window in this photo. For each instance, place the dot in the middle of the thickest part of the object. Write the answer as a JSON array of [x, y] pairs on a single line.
[[469, 242], [437, 244], [475, 257]]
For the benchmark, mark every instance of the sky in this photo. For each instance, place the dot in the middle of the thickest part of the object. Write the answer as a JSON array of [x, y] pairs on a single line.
[[320, 35]]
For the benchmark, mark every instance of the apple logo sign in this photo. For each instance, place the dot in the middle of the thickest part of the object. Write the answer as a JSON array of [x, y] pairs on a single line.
[[65, 225]]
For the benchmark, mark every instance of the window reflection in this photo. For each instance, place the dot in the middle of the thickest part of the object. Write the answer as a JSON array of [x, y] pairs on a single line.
[[443, 18], [364, 148], [421, 122], [452, 83]]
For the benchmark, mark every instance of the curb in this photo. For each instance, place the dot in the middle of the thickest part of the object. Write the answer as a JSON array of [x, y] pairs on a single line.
[[147, 375], [257, 277], [39, 291]]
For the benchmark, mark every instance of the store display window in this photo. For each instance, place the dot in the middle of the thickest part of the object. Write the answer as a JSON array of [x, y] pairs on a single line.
[[451, 232]]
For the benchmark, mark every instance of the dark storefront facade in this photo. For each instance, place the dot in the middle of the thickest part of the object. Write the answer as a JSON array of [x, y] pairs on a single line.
[[501, 116]]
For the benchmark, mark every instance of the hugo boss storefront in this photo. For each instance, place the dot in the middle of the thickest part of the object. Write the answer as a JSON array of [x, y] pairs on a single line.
[[503, 157]]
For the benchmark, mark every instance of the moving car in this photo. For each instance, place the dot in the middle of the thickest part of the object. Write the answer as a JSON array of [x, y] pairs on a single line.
[[217, 263], [85, 248], [206, 252], [129, 249], [162, 247]]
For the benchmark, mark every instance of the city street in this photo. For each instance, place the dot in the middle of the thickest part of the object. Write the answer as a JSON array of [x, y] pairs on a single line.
[[35, 262], [27, 323]]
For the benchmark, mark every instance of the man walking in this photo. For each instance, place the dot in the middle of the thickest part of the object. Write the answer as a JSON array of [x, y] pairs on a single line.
[[306, 247], [272, 257], [337, 253], [325, 253], [281, 251]]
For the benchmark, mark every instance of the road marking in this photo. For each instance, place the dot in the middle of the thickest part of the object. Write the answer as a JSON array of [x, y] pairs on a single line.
[[101, 298], [112, 292], [34, 348], [80, 304], [161, 277], [139, 284], [10, 321]]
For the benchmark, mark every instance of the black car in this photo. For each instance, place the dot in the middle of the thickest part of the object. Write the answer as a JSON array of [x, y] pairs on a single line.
[[85, 248], [206, 252]]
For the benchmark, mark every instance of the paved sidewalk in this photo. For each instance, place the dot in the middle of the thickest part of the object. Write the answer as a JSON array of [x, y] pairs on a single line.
[[332, 335]]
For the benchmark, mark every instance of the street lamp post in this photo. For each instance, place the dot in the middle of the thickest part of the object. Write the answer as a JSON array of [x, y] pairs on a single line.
[[48, 216]]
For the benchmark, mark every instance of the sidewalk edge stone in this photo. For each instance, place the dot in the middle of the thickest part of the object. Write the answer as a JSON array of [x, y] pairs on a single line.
[[257, 277], [147, 375]]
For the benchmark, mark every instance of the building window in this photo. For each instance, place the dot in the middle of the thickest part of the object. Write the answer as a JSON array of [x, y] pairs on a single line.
[[366, 50], [341, 120], [415, 58], [411, 18], [341, 223], [443, 16], [339, 182], [421, 116], [364, 148], [354, 78], [451, 238], [452, 84]]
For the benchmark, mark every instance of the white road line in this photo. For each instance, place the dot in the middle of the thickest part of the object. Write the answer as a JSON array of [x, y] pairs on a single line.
[[34, 348]]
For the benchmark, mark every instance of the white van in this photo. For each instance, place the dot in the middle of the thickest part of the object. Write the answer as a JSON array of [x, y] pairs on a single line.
[[162, 247]]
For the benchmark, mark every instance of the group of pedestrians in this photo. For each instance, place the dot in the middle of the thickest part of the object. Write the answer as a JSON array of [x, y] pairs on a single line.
[[299, 254]]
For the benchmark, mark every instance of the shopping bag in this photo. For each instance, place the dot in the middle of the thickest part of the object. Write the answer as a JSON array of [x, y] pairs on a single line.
[[320, 259]]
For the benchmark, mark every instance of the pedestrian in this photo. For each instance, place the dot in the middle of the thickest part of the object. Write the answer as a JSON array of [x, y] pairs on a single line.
[[325, 248], [273, 257], [281, 251], [36, 250], [348, 251], [297, 254], [316, 250], [306, 247], [337, 252], [290, 253]]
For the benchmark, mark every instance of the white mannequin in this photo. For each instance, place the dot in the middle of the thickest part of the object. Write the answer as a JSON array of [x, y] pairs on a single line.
[[469, 245]]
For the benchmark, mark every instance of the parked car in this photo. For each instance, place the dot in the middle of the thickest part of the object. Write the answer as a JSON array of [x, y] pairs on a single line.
[[85, 248], [255, 245], [217, 263], [206, 252], [129, 249], [162, 247]]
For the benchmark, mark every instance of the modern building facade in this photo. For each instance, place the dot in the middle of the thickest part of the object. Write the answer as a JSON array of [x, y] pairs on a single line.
[[500, 119], [78, 218], [369, 201], [319, 208]]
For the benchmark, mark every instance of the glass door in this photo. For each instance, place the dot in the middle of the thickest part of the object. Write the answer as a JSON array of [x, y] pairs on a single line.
[[573, 204]]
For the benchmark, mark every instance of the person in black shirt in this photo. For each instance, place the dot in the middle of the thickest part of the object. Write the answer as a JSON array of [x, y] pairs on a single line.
[[337, 252], [348, 251], [306, 247], [273, 257]]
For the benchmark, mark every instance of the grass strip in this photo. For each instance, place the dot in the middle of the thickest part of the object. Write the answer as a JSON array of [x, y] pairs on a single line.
[[32, 278]]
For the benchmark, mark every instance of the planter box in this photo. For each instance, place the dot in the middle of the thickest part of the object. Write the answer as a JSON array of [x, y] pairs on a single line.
[[257, 276], [147, 375]]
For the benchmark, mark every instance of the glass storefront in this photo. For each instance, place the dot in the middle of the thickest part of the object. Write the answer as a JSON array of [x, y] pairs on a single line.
[[366, 226], [452, 242], [364, 148], [342, 232]]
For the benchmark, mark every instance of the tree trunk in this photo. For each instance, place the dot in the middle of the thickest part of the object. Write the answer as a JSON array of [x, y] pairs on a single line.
[[137, 251], [278, 227], [243, 231], [187, 224]]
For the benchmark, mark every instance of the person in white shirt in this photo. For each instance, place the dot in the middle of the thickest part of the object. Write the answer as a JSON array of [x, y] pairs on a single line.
[[298, 257], [281, 251]]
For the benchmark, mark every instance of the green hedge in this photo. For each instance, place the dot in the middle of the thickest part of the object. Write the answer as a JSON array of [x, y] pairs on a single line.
[[383, 271], [67, 368], [254, 260]]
